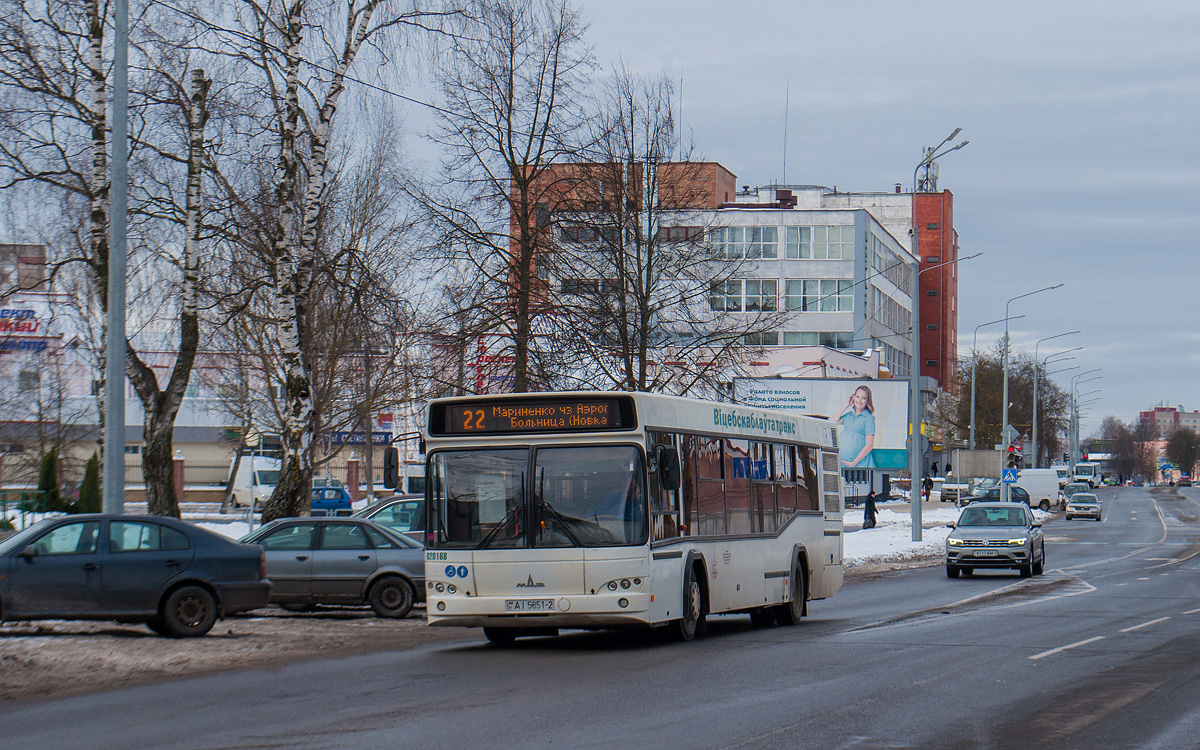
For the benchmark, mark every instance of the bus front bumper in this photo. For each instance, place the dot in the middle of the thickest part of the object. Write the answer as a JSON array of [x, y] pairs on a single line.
[[577, 611]]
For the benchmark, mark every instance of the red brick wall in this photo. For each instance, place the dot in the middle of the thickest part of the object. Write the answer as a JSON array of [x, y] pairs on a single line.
[[934, 219]]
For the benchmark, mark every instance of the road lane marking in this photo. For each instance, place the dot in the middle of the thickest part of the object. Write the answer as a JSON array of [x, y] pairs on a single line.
[[1192, 611], [1060, 649], [1145, 624]]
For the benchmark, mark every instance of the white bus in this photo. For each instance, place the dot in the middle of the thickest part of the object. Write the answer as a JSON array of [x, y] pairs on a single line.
[[599, 510]]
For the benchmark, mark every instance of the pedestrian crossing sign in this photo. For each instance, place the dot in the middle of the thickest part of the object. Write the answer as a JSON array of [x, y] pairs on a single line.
[[1008, 476]]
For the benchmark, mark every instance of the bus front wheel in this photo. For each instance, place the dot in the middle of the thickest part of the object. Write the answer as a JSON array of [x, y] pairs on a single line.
[[692, 622], [790, 613]]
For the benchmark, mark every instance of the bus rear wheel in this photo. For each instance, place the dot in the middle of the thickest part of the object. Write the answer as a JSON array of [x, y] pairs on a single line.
[[790, 613], [687, 627]]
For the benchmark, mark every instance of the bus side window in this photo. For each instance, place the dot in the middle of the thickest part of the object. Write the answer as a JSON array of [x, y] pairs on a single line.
[[664, 504], [710, 499], [785, 481], [806, 477], [689, 490]]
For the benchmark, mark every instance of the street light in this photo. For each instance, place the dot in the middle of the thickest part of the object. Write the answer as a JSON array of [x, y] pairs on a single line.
[[932, 155], [914, 385], [1073, 438], [1033, 428], [974, 361], [1006, 489]]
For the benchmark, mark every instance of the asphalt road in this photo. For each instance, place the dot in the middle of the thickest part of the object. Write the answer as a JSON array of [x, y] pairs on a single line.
[[1103, 651]]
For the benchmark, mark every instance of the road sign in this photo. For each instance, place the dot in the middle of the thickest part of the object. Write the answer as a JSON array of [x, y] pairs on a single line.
[[1010, 434], [1008, 476]]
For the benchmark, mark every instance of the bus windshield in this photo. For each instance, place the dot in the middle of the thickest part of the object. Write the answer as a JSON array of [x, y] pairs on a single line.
[[574, 497]]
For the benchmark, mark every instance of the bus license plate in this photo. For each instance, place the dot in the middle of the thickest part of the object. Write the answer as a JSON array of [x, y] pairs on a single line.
[[529, 605]]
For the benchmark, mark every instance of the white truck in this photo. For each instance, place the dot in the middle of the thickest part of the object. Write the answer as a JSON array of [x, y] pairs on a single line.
[[255, 480], [1086, 471]]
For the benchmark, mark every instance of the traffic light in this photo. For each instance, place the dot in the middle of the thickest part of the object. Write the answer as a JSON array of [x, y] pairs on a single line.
[[1013, 457]]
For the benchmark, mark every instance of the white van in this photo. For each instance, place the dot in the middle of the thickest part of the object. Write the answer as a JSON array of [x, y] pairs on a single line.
[[255, 480], [1042, 486]]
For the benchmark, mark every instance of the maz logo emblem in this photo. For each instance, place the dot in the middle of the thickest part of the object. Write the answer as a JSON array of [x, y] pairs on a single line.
[[531, 584]]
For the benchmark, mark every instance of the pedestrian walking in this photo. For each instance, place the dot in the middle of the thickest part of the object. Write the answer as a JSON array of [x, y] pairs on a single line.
[[933, 469], [869, 511], [927, 487]]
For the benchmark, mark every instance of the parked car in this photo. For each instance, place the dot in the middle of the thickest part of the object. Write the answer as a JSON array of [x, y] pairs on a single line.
[[330, 498], [1083, 505], [315, 561], [175, 577], [402, 513], [993, 494], [996, 535]]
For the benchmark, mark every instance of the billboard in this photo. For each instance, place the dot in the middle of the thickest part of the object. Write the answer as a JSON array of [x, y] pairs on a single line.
[[872, 415]]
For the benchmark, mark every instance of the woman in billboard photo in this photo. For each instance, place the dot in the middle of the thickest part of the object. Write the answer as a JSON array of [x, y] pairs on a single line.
[[857, 439]]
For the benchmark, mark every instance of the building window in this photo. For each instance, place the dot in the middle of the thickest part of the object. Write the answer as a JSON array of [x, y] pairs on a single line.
[[932, 226], [192, 391], [133, 450], [832, 339], [833, 243], [749, 295], [931, 363], [751, 243], [580, 286], [769, 338], [934, 259], [28, 380], [931, 327], [931, 293], [799, 243], [819, 295]]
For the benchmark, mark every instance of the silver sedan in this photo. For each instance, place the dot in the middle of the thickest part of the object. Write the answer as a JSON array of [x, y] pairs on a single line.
[[315, 561]]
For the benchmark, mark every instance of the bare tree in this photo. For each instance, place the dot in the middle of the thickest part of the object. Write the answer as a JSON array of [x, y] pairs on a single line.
[[513, 106], [638, 274]]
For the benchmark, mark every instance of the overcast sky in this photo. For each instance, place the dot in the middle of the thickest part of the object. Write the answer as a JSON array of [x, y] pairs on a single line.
[[1082, 165]]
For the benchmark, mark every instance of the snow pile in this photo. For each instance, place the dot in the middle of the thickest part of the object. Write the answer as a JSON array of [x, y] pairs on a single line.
[[891, 539]]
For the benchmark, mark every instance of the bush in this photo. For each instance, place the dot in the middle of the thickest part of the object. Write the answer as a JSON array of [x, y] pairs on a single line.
[[6, 524], [48, 481], [89, 489]]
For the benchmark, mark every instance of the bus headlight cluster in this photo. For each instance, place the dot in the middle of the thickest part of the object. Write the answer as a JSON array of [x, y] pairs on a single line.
[[624, 583]]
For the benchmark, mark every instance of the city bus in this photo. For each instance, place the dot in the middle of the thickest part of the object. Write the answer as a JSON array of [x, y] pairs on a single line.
[[599, 510]]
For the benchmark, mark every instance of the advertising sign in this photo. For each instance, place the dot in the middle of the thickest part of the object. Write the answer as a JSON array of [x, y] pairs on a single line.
[[871, 415]]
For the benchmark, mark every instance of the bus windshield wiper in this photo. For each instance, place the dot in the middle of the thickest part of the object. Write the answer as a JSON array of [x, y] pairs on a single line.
[[511, 514], [558, 517]]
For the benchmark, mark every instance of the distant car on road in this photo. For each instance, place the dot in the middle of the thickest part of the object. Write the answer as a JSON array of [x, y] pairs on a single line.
[[996, 535], [1184, 482], [352, 561], [402, 513], [1083, 505], [175, 577], [993, 494]]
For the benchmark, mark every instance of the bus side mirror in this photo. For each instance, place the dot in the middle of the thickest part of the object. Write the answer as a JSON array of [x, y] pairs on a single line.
[[391, 467], [668, 467]]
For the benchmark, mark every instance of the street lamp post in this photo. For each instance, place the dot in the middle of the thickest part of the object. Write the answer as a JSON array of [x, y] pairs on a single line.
[[914, 389], [1005, 488], [1074, 437], [974, 362], [1033, 428], [914, 382]]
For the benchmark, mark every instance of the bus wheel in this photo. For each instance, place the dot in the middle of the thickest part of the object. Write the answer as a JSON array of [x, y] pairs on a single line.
[[692, 622], [501, 635], [790, 613], [762, 617]]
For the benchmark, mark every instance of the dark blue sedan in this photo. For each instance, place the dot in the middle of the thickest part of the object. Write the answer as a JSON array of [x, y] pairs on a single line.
[[175, 577]]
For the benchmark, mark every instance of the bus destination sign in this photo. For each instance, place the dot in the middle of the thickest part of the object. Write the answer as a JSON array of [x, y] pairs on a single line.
[[508, 416]]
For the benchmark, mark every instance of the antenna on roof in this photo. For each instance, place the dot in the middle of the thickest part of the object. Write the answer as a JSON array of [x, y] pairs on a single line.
[[786, 93], [679, 135]]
